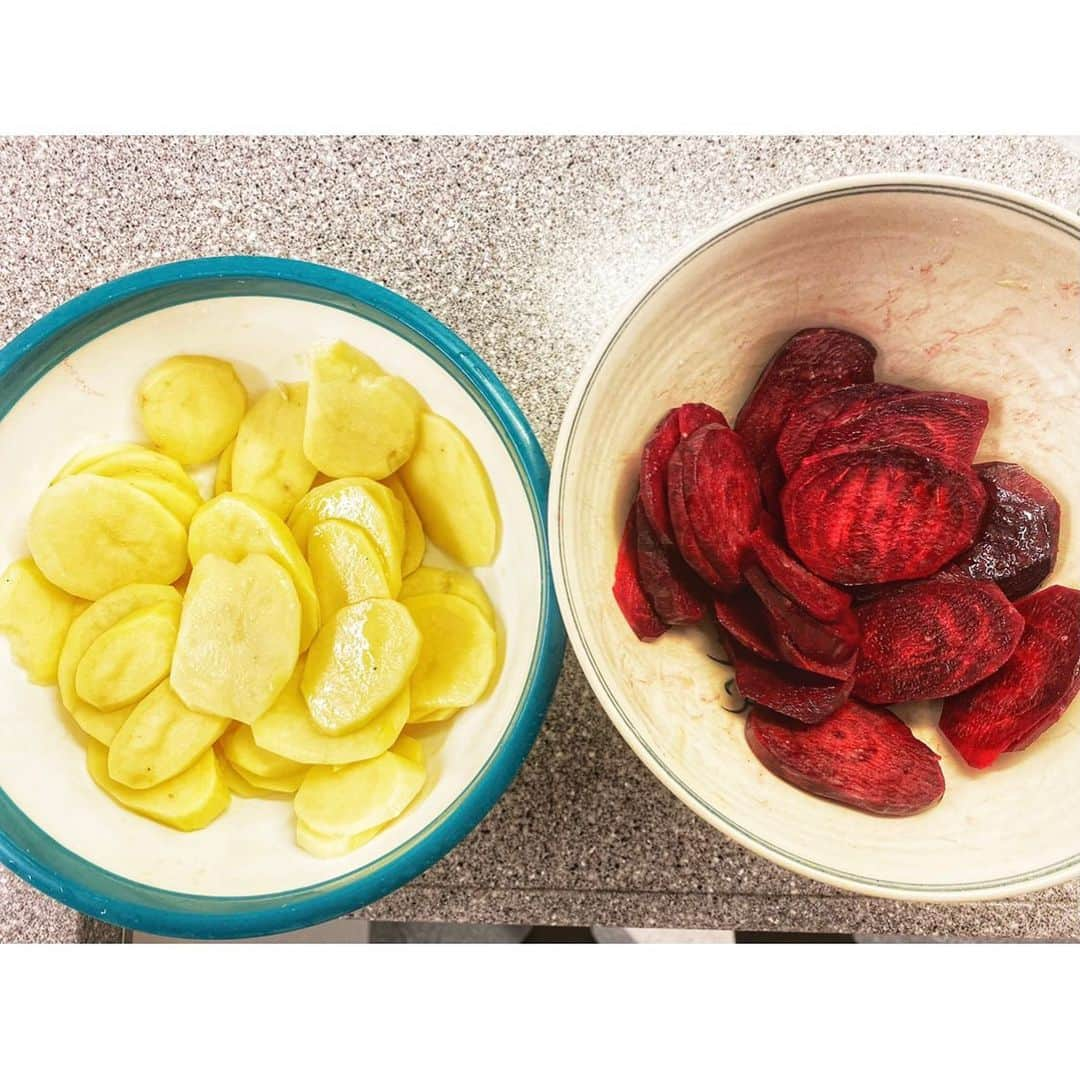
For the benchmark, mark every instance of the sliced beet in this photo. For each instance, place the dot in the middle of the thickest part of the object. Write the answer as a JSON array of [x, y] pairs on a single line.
[[817, 596], [809, 362], [802, 695], [933, 639], [664, 578], [741, 614], [696, 414], [629, 595], [720, 489], [1029, 693], [861, 756], [883, 513], [685, 538], [1018, 542]]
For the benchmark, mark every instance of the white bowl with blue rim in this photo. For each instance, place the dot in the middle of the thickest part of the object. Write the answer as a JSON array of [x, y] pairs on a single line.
[[67, 383]]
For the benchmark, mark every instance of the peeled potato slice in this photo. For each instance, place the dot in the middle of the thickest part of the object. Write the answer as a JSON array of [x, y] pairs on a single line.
[[408, 747], [92, 534], [436, 716], [35, 615], [346, 565], [233, 526], [409, 393], [268, 461], [130, 658], [187, 802], [177, 500], [83, 460], [160, 739], [457, 656], [241, 750], [102, 726], [323, 846], [286, 729], [415, 543], [436, 579], [239, 636], [191, 407], [223, 475], [279, 785], [236, 783], [360, 661], [351, 799], [122, 460], [452, 493]]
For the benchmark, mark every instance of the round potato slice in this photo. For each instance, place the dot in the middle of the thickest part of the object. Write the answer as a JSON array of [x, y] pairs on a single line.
[[236, 783], [415, 542], [233, 526], [180, 502], [86, 458], [436, 716], [191, 407], [275, 785], [457, 656], [268, 462], [130, 658], [346, 565], [452, 492], [436, 579], [329, 847], [358, 663], [223, 474], [286, 729], [130, 460], [239, 636], [241, 749], [102, 726], [189, 801], [409, 393], [160, 739], [90, 535]]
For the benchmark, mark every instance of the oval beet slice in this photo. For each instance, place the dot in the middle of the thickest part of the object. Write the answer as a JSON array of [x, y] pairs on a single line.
[[744, 618], [1029, 693], [696, 414], [629, 595], [817, 596], [884, 513], [933, 639], [861, 756], [685, 538], [809, 362], [1018, 543], [665, 580], [802, 695]]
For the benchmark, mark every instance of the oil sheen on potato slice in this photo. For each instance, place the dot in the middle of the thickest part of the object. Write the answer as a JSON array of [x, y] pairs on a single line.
[[415, 542], [460, 583], [346, 565]]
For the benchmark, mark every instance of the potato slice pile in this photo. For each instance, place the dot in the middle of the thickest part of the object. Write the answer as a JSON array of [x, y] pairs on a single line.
[[277, 640]]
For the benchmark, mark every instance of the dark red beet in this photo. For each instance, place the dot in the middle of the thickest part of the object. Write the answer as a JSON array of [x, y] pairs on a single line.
[[1028, 694], [809, 362], [744, 618], [884, 513], [1018, 542], [720, 489], [665, 580], [696, 414], [685, 538], [933, 639], [629, 595], [806, 697], [818, 597], [860, 756]]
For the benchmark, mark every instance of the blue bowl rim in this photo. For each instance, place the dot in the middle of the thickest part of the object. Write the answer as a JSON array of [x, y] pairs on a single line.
[[233, 275]]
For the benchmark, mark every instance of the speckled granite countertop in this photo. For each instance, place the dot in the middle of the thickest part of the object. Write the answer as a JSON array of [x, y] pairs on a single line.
[[525, 247]]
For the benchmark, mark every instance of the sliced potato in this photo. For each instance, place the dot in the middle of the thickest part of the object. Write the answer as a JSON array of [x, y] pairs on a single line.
[[223, 475], [35, 615], [236, 783], [436, 579], [177, 500], [452, 492], [357, 423], [102, 726], [351, 799], [268, 462], [346, 565], [127, 459], [239, 636], [323, 846], [233, 526], [277, 785], [415, 543], [130, 658], [240, 749], [286, 729], [410, 393], [436, 716], [191, 407], [408, 747], [187, 802], [358, 663], [85, 458], [91, 534], [160, 739]]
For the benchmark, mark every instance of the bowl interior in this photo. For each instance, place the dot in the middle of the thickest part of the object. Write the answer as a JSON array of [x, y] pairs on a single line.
[[89, 398], [959, 289]]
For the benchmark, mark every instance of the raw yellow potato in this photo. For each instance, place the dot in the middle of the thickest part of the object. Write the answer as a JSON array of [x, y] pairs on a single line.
[[436, 716], [351, 799], [279, 785], [323, 846], [83, 460], [410, 393], [35, 616], [286, 729], [359, 662], [457, 656], [358, 423], [268, 462], [188, 801], [363, 502], [191, 407], [436, 579], [452, 493], [239, 636], [130, 658], [415, 543], [408, 747], [223, 475], [346, 565], [236, 783], [241, 751], [92, 534], [129, 460], [160, 739], [177, 500], [99, 725], [233, 526]]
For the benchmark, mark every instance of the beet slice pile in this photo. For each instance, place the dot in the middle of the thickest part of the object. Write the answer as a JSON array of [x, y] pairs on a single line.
[[853, 556]]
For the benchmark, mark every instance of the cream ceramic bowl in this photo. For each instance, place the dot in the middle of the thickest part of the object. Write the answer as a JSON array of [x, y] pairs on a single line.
[[961, 286]]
